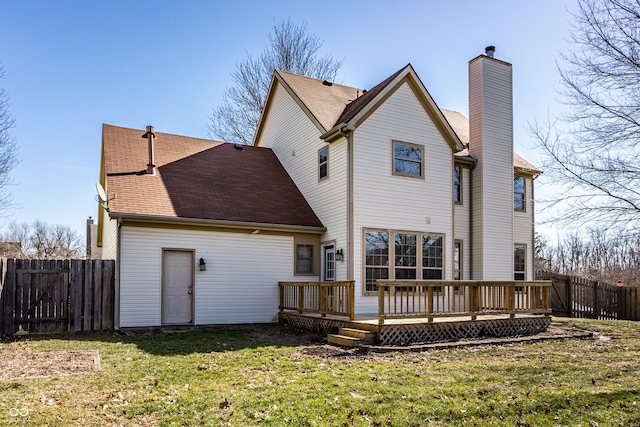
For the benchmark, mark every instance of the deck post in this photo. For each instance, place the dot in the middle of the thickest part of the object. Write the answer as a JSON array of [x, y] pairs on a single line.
[[324, 296], [300, 299], [352, 299], [430, 304], [380, 304], [511, 300], [474, 305]]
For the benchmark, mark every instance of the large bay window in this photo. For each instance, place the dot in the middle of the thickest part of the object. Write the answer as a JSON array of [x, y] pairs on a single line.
[[415, 256]]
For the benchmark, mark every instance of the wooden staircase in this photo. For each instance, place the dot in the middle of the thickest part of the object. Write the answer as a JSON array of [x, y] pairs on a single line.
[[353, 337]]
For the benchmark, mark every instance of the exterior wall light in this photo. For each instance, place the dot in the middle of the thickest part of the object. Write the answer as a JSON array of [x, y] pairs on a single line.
[[203, 265], [339, 255]]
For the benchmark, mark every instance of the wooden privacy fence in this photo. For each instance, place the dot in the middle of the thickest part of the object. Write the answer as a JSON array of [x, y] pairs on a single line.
[[56, 295], [574, 296], [335, 298], [445, 298]]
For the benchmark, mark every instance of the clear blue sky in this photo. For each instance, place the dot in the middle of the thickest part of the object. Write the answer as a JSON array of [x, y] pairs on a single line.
[[73, 65]]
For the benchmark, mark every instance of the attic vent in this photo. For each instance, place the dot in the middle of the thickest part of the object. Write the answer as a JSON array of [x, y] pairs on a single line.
[[327, 83], [364, 91], [238, 147]]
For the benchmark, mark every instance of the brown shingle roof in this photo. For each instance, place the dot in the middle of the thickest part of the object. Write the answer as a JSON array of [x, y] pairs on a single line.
[[200, 179], [326, 103]]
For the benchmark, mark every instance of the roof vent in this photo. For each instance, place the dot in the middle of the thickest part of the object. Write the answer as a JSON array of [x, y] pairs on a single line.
[[327, 83], [150, 135], [238, 147], [490, 51]]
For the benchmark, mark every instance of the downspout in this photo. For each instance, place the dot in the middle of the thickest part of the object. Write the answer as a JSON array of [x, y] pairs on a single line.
[[471, 264], [116, 308], [348, 135]]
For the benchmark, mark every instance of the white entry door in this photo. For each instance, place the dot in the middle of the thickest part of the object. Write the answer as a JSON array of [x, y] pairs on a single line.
[[329, 263], [177, 287]]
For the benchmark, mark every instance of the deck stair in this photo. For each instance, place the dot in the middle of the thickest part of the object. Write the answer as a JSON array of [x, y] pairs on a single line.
[[352, 337]]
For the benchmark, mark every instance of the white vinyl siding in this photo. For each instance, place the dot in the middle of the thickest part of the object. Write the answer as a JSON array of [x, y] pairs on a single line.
[[240, 284], [109, 238], [391, 202], [295, 140]]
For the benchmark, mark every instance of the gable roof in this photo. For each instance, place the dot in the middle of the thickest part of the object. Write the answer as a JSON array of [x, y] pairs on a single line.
[[202, 180], [332, 107]]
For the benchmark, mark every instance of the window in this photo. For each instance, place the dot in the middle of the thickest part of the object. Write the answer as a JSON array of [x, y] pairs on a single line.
[[376, 258], [304, 259], [457, 184], [457, 260], [519, 257], [402, 256], [407, 159], [518, 193], [323, 163], [405, 256], [431, 257]]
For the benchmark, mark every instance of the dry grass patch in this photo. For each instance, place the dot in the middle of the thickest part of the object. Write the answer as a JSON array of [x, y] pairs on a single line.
[[28, 364]]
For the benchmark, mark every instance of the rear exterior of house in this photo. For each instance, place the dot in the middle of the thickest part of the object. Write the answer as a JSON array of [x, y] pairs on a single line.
[[405, 189], [341, 184]]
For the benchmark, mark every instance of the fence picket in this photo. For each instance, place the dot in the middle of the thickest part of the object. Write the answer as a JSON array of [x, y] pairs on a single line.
[[56, 295]]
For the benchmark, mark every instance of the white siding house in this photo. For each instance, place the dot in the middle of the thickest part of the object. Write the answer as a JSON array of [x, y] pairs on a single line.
[[340, 184]]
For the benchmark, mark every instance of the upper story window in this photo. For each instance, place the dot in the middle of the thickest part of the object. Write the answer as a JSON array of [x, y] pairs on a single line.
[[457, 184], [323, 163], [518, 193], [408, 159]]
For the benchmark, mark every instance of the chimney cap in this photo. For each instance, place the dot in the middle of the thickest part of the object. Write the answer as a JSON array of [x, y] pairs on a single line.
[[489, 51]]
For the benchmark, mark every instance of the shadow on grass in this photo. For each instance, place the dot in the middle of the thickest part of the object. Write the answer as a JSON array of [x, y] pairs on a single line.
[[205, 340]]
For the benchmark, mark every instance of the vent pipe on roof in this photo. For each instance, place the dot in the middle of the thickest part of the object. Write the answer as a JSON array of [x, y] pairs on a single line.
[[150, 135], [490, 51]]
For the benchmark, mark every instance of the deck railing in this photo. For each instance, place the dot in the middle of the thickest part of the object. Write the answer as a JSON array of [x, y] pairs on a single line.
[[335, 298], [439, 298]]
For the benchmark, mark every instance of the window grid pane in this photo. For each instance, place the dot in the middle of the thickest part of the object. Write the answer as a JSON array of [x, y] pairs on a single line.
[[457, 187], [407, 159], [376, 259], [323, 162], [432, 257]]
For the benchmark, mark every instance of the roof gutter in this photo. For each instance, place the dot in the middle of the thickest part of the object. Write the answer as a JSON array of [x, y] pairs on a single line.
[[337, 132], [140, 218]]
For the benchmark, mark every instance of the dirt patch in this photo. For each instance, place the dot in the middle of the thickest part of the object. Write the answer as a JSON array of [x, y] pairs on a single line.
[[27, 364]]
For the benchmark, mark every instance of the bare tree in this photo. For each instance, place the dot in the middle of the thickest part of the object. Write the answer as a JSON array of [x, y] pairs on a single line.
[[291, 48], [40, 240], [8, 147], [591, 152]]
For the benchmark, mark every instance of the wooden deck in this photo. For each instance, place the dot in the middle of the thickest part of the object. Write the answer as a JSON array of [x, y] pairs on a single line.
[[411, 312]]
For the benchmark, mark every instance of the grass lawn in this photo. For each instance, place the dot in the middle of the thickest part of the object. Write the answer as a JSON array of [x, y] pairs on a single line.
[[273, 376]]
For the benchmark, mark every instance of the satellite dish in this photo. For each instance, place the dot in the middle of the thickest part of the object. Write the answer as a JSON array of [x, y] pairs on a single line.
[[102, 197]]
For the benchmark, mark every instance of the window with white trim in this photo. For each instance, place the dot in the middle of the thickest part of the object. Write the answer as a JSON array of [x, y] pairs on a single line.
[[406, 262], [408, 159], [431, 257]]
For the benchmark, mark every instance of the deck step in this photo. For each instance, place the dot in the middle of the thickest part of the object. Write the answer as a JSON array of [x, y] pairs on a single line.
[[366, 336], [344, 341]]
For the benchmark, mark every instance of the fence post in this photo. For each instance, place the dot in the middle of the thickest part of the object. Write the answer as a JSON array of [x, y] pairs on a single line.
[[568, 280], [8, 297], [596, 305]]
